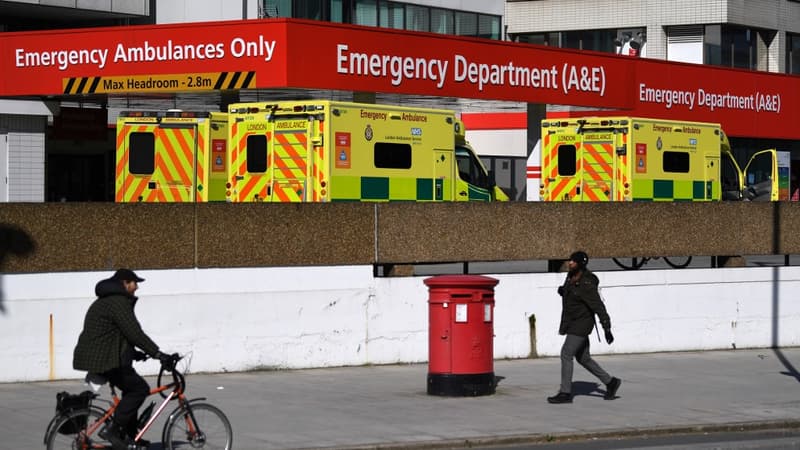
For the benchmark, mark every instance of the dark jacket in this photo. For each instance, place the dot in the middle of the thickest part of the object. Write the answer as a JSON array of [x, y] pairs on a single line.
[[110, 331], [580, 302]]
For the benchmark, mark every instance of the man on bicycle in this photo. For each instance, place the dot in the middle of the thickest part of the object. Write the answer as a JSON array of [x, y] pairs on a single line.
[[107, 347]]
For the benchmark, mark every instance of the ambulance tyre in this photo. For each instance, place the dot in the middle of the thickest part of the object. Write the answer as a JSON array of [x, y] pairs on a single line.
[[678, 263]]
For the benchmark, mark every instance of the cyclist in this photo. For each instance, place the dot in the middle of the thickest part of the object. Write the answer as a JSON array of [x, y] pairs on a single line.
[[107, 347]]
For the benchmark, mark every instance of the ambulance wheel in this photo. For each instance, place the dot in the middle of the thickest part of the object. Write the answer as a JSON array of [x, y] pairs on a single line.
[[678, 263]]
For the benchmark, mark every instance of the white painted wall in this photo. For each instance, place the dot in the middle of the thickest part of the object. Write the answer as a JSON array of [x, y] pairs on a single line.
[[242, 319], [180, 11], [508, 143]]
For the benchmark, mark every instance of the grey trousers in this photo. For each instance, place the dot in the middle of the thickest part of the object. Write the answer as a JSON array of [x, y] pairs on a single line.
[[577, 347]]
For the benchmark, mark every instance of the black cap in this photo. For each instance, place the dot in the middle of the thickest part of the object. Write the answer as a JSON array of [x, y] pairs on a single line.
[[126, 275], [580, 257]]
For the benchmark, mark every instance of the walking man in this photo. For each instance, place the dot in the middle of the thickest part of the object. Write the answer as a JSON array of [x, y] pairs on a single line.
[[580, 302]]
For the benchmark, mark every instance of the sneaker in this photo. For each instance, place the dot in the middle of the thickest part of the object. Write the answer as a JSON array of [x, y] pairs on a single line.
[[561, 397], [611, 388], [111, 433], [141, 444]]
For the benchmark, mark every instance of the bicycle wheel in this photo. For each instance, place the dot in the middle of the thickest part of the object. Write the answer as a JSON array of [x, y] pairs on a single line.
[[51, 427], [680, 264], [209, 430], [635, 264], [69, 433]]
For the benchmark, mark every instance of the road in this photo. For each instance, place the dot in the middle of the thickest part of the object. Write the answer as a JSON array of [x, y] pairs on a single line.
[[752, 440]]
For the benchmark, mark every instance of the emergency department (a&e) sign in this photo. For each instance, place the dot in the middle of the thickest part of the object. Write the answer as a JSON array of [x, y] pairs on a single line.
[[287, 53]]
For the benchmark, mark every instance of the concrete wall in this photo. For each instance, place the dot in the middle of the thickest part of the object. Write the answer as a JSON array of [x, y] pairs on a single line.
[[60, 237], [302, 317]]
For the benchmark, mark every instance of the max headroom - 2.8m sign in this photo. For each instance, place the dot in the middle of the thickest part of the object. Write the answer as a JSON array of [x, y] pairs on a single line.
[[289, 53]]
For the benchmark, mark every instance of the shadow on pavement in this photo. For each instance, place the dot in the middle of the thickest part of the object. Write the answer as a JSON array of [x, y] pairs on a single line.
[[587, 388]]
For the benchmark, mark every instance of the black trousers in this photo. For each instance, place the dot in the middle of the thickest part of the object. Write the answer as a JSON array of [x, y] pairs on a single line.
[[134, 391]]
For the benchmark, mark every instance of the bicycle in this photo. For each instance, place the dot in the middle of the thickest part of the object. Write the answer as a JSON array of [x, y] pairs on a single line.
[[637, 263], [191, 424]]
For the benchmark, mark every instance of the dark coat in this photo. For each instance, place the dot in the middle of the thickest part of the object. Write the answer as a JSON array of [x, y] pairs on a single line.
[[580, 302], [110, 331]]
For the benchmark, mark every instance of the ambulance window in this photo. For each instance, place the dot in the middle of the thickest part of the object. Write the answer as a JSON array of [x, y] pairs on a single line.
[[256, 153], [470, 170], [141, 153], [676, 162], [390, 155], [567, 160]]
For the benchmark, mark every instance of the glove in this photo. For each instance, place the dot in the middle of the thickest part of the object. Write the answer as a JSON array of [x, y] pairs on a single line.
[[561, 291], [609, 336], [168, 361], [139, 356]]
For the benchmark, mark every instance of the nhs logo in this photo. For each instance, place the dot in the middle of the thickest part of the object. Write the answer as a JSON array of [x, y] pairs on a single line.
[[416, 131]]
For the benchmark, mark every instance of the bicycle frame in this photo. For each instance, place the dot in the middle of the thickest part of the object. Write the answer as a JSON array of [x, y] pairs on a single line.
[[177, 392]]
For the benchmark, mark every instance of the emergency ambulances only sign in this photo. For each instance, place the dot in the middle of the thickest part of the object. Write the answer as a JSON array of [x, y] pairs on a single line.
[[290, 53]]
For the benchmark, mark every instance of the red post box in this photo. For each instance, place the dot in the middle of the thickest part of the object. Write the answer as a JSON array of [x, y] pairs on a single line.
[[461, 335]]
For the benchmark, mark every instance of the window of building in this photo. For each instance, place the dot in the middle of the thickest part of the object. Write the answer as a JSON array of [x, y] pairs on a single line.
[[488, 27], [392, 15], [466, 24], [388, 14], [793, 53], [730, 46], [141, 153], [277, 8], [256, 153], [442, 21], [310, 9], [675, 162], [366, 13], [623, 41], [418, 18], [390, 155]]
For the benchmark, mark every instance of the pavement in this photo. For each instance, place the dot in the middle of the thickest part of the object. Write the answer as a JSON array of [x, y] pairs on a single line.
[[387, 407]]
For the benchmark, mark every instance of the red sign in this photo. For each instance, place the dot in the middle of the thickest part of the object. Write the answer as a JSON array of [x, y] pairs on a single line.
[[282, 53], [342, 150], [218, 155]]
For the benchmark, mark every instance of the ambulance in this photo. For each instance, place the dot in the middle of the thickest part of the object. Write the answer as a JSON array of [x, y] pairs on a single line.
[[171, 156], [638, 159], [327, 151]]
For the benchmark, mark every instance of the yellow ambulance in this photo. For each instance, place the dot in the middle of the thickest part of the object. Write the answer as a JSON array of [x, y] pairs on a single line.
[[639, 159], [325, 151], [171, 156]]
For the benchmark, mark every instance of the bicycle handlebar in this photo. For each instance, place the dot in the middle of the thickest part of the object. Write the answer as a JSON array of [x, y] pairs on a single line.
[[178, 378]]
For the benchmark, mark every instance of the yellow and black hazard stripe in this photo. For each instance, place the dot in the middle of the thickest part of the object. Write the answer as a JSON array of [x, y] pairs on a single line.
[[235, 80], [163, 83], [82, 85]]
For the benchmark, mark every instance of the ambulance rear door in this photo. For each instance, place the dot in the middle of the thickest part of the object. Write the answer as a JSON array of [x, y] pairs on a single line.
[[595, 167], [248, 168], [290, 150], [156, 162]]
